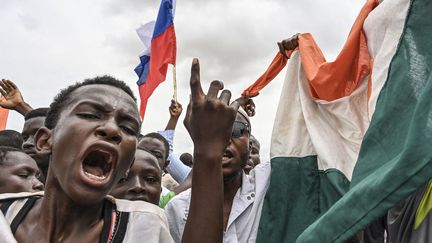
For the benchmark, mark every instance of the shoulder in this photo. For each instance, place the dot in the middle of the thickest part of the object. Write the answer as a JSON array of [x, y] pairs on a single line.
[[137, 207], [19, 196], [146, 221], [261, 172], [181, 199]]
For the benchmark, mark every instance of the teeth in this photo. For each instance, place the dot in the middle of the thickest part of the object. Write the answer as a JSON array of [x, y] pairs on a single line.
[[95, 177], [109, 160]]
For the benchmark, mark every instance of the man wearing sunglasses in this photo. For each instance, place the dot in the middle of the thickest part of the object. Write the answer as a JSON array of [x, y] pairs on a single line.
[[241, 210]]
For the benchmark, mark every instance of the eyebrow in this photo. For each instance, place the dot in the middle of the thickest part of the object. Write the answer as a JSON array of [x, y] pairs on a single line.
[[104, 109]]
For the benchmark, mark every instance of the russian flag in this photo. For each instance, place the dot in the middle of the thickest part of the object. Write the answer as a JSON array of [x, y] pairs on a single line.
[[160, 41]]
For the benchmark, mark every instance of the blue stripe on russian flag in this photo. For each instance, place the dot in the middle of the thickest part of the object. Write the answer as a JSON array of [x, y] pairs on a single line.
[[142, 69], [165, 17]]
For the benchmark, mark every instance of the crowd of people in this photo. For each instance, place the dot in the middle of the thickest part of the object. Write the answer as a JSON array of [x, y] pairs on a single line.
[[81, 171]]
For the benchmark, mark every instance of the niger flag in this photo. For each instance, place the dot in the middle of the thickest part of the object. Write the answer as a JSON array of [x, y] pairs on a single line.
[[352, 137]]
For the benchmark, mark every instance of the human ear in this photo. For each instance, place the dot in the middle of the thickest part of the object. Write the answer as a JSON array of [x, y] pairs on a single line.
[[43, 141]]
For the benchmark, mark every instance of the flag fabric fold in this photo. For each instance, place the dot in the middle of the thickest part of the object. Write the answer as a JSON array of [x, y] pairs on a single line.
[[160, 41], [327, 80], [350, 137], [395, 159]]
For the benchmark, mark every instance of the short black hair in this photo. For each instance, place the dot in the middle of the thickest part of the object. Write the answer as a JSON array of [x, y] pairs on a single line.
[[60, 101], [154, 156], [39, 112], [186, 158], [11, 138], [6, 149], [158, 137]]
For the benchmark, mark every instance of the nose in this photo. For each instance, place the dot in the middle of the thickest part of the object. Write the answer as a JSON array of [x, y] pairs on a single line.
[[37, 185], [137, 187], [29, 143], [110, 131]]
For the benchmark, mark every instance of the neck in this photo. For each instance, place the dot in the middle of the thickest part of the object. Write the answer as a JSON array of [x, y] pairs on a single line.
[[61, 217], [231, 185]]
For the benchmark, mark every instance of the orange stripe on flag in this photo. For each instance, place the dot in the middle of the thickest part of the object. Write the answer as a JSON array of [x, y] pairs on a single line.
[[3, 118], [328, 80]]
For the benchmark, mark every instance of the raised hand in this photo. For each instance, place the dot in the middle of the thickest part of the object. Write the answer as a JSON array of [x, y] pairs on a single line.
[[175, 109], [288, 44], [13, 99], [210, 118], [247, 104]]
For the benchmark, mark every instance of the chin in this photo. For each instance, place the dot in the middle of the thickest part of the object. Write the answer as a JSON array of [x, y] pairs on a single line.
[[86, 197]]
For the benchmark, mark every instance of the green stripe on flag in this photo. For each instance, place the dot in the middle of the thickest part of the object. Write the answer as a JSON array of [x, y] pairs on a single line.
[[297, 195], [396, 156]]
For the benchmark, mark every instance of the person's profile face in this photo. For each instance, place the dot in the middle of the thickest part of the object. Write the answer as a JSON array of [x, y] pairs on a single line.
[[143, 182], [19, 173], [255, 151], [236, 154], [31, 126], [156, 147], [93, 143]]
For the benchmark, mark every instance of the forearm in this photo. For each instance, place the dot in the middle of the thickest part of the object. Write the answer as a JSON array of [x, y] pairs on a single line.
[[172, 123], [23, 108], [205, 219]]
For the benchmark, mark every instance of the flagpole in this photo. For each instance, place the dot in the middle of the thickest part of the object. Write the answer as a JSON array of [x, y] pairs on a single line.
[[175, 83]]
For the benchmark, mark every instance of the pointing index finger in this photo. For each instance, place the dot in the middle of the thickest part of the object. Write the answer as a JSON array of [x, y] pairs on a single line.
[[195, 82]]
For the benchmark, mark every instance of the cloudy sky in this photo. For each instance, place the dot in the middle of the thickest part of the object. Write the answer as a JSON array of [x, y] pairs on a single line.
[[46, 45]]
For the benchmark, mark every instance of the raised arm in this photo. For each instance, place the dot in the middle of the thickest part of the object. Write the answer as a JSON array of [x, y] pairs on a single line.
[[209, 124], [13, 99], [175, 111], [176, 168]]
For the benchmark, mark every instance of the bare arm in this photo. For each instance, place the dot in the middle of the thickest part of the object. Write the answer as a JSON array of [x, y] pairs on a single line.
[[13, 99], [210, 138]]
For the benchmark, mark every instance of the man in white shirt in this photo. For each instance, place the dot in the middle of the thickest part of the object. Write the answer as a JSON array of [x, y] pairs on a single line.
[[243, 195]]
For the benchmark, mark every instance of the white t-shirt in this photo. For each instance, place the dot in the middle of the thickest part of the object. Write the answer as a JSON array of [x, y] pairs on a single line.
[[129, 221]]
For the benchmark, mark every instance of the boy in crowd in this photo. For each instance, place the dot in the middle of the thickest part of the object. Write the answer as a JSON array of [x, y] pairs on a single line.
[[144, 180], [33, 121], [239, 190], [90, 135], [18, 172]]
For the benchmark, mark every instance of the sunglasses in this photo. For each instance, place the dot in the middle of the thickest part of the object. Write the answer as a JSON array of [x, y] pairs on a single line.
[[239, 129]]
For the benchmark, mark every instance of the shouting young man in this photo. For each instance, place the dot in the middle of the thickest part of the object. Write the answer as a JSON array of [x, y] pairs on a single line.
[[90, 134]]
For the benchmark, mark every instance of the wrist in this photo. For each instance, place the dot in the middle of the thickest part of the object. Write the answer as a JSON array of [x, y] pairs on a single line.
[[23, 108], [208, 153]]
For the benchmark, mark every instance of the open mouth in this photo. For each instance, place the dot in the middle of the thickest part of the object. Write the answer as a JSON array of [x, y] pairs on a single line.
[[227, 155], [98, 165]]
